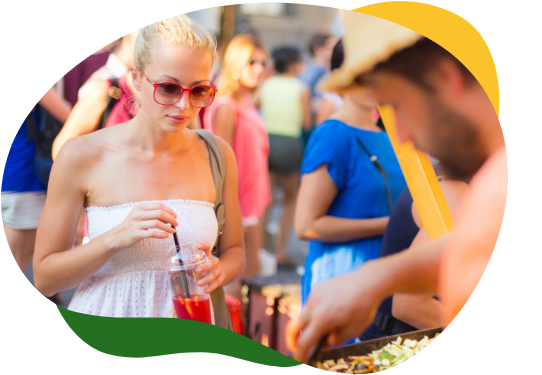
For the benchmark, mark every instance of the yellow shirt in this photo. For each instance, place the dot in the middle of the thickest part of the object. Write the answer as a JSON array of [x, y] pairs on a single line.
[[281, 106]]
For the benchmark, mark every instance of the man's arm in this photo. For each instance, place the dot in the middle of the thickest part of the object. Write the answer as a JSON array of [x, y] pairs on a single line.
[[341, 308], [419, 310], [422, 310]]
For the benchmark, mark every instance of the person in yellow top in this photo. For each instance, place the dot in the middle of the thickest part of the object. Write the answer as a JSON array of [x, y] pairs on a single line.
[[285, 107], [444, 110]]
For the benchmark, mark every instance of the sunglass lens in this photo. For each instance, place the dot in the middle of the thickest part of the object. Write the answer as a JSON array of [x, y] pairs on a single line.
[[167, 93], [202, 96]]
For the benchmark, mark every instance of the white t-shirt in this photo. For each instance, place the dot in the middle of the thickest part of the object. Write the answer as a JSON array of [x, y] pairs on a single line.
[[113, 68], [331, 97]]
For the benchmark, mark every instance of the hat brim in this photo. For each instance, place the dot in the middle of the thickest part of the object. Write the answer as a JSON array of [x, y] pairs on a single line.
[[368, 41]]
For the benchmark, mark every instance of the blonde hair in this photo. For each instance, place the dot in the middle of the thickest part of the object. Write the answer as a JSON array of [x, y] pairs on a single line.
[[176, 31], [236, 56]]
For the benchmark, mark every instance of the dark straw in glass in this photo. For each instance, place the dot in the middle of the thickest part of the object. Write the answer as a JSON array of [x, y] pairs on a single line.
[[183, 274]]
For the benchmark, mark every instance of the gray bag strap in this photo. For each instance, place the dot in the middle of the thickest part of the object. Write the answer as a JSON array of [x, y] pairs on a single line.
[[218, 169]]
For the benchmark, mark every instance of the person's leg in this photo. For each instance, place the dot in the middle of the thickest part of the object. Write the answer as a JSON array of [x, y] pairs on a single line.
[[290, 184], [21, 243], [269, 238], [252, 246]]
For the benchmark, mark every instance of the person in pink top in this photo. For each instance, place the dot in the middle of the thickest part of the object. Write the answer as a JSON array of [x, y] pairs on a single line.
[[234, 118], [124, 110]]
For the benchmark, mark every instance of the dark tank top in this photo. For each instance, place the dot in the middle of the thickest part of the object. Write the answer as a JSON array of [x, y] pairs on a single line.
[[398, 236]]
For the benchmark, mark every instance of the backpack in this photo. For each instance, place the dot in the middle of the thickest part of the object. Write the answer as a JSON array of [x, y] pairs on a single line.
[[218, 168], [43, 133]]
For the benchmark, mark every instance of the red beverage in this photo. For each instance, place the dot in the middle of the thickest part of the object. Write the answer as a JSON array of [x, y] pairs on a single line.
[[195, 308]]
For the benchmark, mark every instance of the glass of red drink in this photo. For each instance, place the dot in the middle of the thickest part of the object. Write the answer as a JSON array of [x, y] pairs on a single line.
[[194, 303]]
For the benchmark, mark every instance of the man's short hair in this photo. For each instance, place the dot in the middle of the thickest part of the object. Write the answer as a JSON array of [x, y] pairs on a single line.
[[317, 41], [414, 62], [284, 57]]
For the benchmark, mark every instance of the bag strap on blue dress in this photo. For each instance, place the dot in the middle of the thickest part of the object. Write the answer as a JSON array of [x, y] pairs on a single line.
[[385, 175]]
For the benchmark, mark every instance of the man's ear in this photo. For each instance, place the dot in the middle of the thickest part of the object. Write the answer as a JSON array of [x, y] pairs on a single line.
[[448, 80], [136, 78]]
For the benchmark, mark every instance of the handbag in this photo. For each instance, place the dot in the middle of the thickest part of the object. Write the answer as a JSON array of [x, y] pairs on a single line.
[[385, 175], [218, 169]]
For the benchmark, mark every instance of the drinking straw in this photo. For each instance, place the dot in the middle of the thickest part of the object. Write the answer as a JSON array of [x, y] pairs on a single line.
[[183, 274]]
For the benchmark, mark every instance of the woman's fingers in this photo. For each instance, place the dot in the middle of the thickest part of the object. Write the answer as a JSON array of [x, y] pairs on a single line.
[[157, 224], [161, 215], [215, 284], [151, 206], [213, 274], [212, 263], [154, 234], [206, 247]]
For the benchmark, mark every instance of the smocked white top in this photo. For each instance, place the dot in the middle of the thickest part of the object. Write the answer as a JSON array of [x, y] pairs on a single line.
[[132, 284]]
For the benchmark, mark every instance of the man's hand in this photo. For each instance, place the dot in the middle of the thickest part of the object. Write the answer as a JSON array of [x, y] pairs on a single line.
[[340, 308]]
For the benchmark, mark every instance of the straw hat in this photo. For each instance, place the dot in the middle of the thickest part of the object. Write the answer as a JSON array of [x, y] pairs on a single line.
[[368, 41]]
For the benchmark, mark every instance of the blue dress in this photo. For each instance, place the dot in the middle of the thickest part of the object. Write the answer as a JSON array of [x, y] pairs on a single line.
[[19, 175], [362, 195]]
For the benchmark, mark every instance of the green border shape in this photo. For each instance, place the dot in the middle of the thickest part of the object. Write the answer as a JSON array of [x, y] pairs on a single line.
[[150, 337]]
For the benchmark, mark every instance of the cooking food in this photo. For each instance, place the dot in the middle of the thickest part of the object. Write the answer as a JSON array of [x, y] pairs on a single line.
[[391, 355]]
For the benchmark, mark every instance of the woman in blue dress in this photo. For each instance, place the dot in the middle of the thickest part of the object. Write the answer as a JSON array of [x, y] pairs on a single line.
[[344, 204]]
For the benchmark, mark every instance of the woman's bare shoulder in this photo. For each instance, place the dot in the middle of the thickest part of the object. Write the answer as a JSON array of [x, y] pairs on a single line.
[[80, 152], [88, 149], [225, 112], [228, 151]]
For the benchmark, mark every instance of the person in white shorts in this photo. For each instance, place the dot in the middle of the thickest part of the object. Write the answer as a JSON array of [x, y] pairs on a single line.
[[23, 196]]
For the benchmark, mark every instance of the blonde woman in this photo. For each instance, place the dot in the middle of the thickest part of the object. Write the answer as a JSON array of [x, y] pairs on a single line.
[[234, 118], [138, 181]]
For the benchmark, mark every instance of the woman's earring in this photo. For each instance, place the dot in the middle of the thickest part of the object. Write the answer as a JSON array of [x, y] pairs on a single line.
[[235, 76]]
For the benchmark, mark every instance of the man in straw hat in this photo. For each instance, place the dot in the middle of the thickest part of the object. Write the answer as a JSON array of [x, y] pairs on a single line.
[[443, 109]]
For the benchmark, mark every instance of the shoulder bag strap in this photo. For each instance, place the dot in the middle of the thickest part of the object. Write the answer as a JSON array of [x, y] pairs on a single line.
[[385, 175], [114, 93], [218, 168]]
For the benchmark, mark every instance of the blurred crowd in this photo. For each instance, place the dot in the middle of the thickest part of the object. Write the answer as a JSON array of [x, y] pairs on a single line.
[[323, 156]]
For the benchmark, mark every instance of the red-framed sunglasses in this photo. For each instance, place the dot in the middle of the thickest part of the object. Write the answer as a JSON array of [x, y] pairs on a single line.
[[169, 93]]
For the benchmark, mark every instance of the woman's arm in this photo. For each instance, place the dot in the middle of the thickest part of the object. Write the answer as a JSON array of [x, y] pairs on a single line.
[[317, 192], [56, 105], [232, 253], [324, 110], [306, 104], [85, 116], [225, 123], [58, 266]]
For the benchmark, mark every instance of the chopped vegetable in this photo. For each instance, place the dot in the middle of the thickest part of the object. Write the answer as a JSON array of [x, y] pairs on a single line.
[[389, 356]]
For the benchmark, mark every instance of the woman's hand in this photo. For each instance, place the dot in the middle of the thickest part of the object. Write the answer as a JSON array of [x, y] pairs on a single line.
[[216, 273], [140, 223]]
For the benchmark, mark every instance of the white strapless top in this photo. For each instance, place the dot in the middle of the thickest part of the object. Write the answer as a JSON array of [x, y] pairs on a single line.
[[132, 284]]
